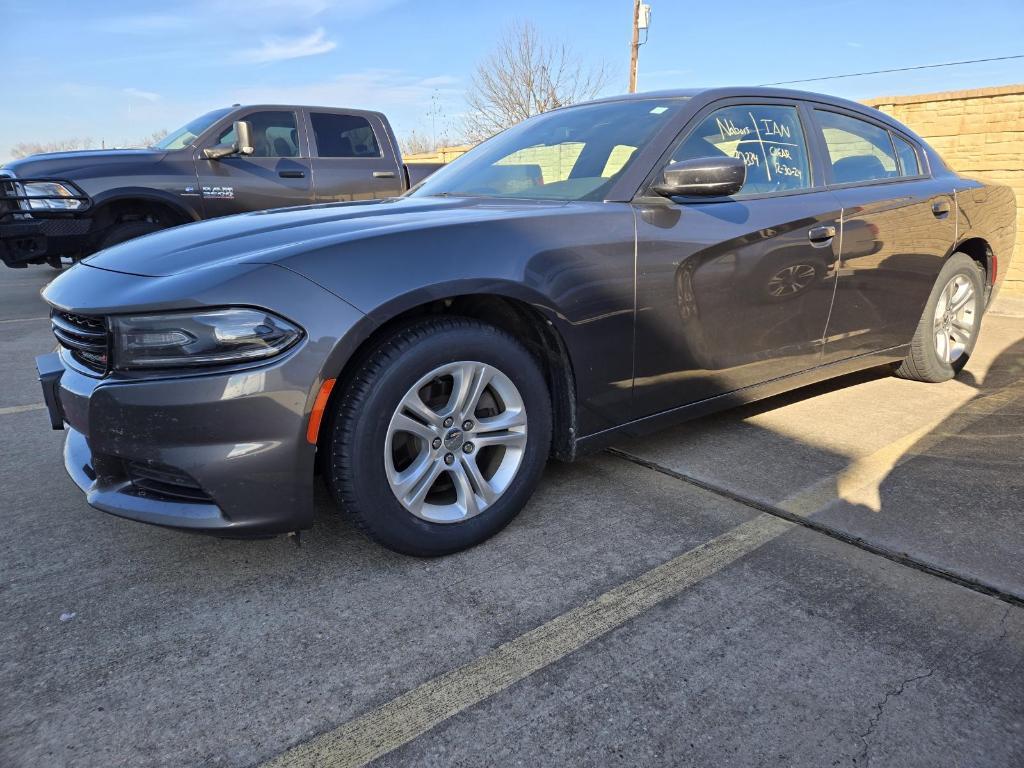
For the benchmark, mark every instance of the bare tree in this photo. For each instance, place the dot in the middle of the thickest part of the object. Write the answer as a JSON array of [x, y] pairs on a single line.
[[26, 148], [416, 143], [527, 75], [154, 138]]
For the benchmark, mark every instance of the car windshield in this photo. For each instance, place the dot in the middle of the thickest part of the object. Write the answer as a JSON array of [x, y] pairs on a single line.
[[188, 133], [568, 154]]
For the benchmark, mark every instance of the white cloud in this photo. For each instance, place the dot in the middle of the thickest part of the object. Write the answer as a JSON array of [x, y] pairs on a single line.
[[283, 48], [139, 94]]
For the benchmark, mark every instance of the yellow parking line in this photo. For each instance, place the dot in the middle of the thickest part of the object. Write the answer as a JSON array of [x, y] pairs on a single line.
[[412, 714], [401, 720], [22, 408]]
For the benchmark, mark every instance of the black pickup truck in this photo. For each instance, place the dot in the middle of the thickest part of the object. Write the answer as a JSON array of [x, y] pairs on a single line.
[[228, 161]]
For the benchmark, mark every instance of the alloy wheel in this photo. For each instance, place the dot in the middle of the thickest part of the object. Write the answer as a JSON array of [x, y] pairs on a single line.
[[954, 319], [455, 442]]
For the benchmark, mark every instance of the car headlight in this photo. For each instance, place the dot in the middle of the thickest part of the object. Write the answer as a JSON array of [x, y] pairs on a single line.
[[213, 337], [54, 197]]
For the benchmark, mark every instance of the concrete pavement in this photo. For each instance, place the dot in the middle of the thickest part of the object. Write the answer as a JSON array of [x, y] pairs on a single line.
[[627, 617]]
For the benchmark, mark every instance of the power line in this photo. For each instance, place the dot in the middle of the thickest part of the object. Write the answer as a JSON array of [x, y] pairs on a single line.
[[898, 69]]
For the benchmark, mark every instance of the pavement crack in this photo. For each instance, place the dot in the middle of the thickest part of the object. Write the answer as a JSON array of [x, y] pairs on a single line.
[[875, 719]]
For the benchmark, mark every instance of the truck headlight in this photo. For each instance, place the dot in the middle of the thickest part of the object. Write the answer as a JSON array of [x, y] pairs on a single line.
[[212, 337], [53, 197]]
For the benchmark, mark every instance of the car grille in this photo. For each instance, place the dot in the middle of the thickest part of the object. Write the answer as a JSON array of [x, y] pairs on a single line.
[[164, 483], [85, 337]]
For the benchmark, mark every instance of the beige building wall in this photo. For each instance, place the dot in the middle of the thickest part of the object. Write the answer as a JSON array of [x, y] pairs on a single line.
[[979, 133]]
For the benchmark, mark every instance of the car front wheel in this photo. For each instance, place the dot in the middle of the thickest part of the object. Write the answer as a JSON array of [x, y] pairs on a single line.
[[440, 436]]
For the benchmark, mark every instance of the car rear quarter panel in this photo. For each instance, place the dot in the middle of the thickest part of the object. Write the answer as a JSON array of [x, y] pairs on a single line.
[[989, 212]]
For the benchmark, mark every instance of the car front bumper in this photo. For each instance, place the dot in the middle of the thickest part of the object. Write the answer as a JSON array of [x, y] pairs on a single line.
[[222, 451], [229, 450]]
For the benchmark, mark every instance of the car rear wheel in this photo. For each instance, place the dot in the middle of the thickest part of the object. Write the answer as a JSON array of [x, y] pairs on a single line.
[[949, 327], [440, 437]]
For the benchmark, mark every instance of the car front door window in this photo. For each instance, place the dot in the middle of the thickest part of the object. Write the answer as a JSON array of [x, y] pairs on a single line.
[[768, 138]]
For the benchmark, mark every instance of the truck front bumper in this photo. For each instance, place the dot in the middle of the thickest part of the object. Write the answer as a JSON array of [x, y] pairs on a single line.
[[34, 241], [37, 226]]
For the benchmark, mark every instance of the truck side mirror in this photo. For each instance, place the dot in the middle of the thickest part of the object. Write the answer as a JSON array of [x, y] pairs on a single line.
[[243, 133], [241, 146]]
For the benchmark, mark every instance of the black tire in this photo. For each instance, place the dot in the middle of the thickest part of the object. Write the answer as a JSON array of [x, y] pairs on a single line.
[[923, 362], [128, 230], [355, 467]]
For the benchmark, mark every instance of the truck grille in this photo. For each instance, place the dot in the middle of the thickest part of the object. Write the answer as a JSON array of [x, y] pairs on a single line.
[[85, 337], [6, 188]]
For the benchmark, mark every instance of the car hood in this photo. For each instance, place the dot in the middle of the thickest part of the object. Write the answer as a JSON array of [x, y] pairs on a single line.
[[68, 163], [269, 237]]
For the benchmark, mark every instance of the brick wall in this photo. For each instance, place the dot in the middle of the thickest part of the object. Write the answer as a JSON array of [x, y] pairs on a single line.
[[979, 133]]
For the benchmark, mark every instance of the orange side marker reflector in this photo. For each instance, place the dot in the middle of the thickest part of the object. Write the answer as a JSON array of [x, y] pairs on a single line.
[[318, 410]]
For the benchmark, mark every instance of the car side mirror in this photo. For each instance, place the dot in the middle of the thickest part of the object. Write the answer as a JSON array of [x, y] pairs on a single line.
[[241, 146], [703, 177]]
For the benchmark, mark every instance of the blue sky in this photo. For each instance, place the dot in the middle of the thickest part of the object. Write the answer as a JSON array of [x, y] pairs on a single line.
[[118, 71]]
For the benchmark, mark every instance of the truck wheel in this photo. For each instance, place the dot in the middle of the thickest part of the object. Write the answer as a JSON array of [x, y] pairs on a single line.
[[440, 437], [949, 327], [128, 230]]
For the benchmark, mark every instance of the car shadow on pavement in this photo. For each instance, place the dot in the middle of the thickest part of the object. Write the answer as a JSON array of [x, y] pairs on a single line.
[[953, 499]]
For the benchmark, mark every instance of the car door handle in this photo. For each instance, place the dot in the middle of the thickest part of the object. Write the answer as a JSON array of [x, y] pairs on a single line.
[[383, 174], [940, 208], [292, 174], [821, 235]]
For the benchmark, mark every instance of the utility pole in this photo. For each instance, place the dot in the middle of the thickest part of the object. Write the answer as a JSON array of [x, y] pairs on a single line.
[[641, 20], [635, 49]]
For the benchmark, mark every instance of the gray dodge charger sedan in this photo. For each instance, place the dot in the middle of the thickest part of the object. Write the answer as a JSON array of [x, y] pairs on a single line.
[[597, 271]]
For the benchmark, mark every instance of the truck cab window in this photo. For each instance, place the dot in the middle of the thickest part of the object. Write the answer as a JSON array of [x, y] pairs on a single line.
[[343, 135], [273, 134]]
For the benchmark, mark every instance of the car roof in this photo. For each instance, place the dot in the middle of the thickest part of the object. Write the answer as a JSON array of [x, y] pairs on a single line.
[[723, 92]]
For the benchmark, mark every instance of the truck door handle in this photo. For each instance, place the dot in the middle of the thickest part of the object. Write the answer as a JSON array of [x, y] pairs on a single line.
[[383, 174], [940, 208], [292, 174], [820, 236]]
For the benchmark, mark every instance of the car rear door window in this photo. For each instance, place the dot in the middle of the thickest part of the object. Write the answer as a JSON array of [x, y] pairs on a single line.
[[273, 134], [343, 135], [859, 151], [768, 138], [909, 164]]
